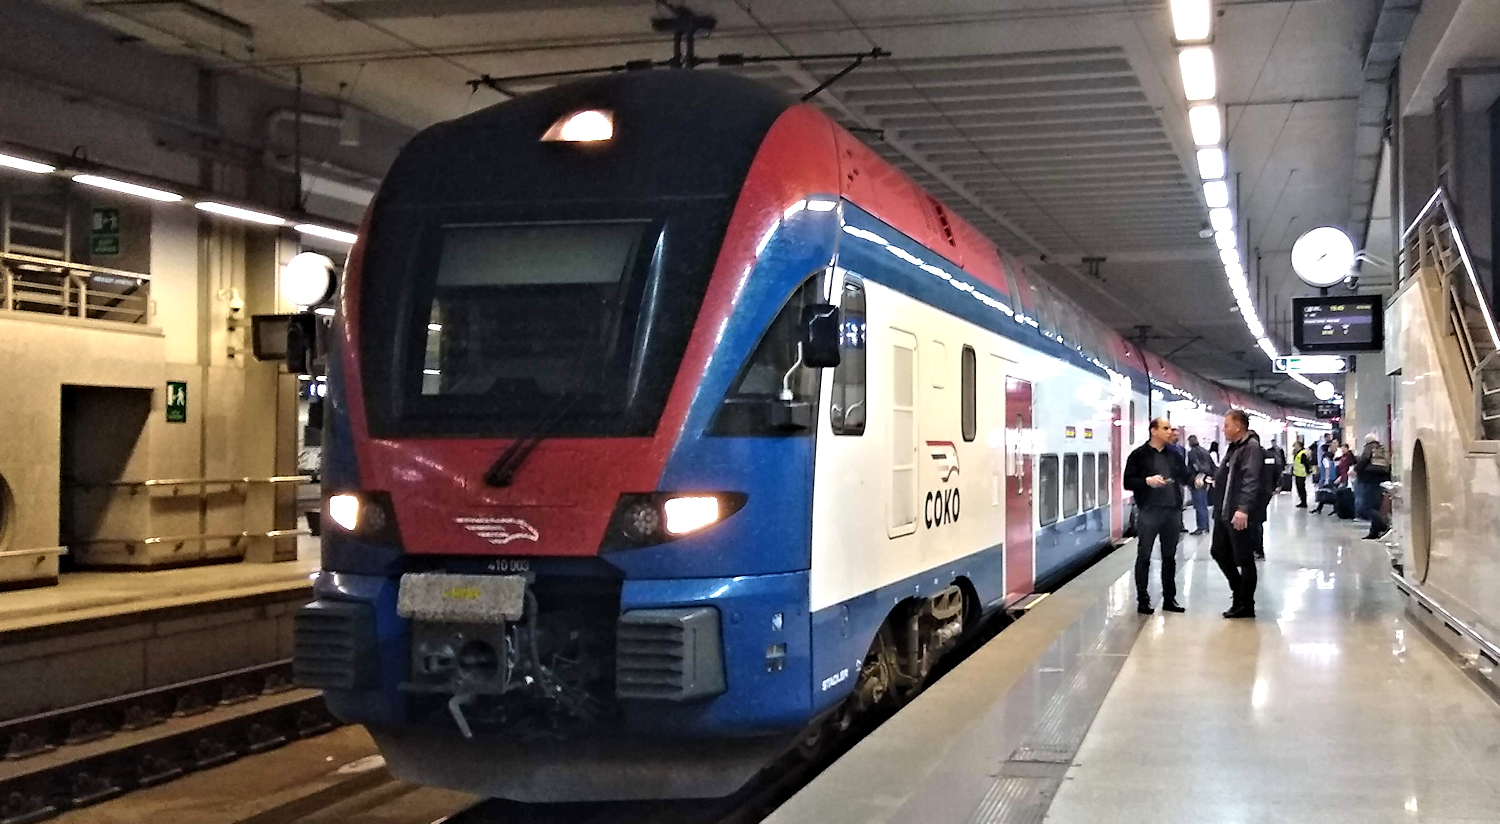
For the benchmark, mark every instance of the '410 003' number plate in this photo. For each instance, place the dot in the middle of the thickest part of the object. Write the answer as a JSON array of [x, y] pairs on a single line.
[[469, 599]]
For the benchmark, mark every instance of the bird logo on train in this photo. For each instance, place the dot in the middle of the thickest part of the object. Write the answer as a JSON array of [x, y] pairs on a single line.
[[941, 505]]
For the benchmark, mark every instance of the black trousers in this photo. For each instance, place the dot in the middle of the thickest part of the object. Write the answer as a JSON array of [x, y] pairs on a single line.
[[1301, 489], [1151, 523], [1234, 552]]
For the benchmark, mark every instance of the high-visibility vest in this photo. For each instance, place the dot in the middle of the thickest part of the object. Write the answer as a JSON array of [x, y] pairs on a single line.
[[1298, 467]]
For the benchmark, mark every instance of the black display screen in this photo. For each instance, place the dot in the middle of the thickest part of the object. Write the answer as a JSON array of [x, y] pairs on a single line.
[[1330, 411], [1350, 323]]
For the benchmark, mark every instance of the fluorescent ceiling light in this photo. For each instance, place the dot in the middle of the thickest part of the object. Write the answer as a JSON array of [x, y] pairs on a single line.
[[127, 188], [26, 165], [1211, 163], [1229, 256], [239, 214], [1256, 328], [1216, 192], [1192, 19], [1221, 219], [1266, 346], [326, 233], [1197, 65], [1205, 123], [1226, 240]]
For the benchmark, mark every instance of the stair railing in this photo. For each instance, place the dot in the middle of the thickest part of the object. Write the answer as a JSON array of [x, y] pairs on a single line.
[[1422, 245]]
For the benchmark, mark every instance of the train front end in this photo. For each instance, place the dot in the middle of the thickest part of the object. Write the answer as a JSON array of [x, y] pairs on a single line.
[[567, 472]]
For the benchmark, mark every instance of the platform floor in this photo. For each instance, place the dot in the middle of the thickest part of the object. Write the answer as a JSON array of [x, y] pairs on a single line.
[[80, 595], [1329, 707]]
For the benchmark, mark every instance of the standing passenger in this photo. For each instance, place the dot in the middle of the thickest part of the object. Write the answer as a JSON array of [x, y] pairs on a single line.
[[1153, 472], [1237, 494], [1176, 446], [1201, 463], [1371, 470], [1302, 463]]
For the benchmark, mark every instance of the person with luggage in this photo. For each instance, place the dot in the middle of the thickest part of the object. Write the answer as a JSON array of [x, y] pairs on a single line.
[[1155, 471], [1201, 462], [1236, 494], [1371, 470], [1302, 466]]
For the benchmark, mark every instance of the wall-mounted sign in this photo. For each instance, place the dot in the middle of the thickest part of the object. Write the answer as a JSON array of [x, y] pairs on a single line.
[[176, 401], [104, 233], [1071, 432], [1311, 365]]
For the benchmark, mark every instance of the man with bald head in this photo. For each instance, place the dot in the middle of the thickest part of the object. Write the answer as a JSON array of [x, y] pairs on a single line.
[[1156, 472]]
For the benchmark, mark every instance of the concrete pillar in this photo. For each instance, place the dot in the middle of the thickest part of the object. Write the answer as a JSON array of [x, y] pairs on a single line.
[[1367, 399], [1416, 166]]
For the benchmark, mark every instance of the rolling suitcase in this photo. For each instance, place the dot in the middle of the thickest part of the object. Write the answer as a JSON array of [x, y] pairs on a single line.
[[1343, 503]]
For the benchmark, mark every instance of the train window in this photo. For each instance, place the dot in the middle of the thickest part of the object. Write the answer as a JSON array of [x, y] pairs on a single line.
[[903, 513], [1070, 485], [970, 413], [751, 406], [1046, 490], [1106, 482], [848, 407], [1089, 486]]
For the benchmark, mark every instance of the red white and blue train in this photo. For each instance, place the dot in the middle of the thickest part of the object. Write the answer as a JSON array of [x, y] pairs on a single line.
[[670, 425]]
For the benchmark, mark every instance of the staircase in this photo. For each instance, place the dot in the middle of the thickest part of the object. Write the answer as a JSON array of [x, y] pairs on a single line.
[[1433, 247]]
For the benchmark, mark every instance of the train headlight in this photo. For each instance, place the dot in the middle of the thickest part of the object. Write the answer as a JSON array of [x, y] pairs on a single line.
[[642, 521], [690, 513], [648, 518], [587, 126], [344, 510], [366, 514]]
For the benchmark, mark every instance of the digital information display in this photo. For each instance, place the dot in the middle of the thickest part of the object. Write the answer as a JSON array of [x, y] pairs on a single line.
[[1350, 323]]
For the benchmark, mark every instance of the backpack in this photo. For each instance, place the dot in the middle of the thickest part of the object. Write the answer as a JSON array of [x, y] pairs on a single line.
[[1379, 459]]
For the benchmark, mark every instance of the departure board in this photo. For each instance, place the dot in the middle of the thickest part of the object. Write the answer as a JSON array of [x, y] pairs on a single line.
[[1349, 323]]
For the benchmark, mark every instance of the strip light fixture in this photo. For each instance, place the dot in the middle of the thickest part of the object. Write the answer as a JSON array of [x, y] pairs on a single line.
[[25, 165], [239, 214], [325, 232], [122, 187]]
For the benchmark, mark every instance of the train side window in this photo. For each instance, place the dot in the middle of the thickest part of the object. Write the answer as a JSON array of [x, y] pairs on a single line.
[[748, 407], [847, 415], [1046, 489], [1106, 482], [970, 413], [1070, 485], [1089, 486], [1132, 422], [903, 511]]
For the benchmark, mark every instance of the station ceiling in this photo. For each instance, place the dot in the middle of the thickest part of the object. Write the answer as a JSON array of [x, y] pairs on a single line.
[[1058, 127]]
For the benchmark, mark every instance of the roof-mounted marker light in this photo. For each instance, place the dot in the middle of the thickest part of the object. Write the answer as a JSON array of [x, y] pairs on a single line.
[[587, 126], [239, 214], [127, 188], [26, 165]]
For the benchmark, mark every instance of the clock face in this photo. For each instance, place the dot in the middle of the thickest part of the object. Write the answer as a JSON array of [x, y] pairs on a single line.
[[1323, 256]]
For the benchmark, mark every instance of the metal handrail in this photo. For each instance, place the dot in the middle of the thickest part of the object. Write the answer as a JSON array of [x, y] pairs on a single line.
[[63, 265], [1440, 199], [274, 479], [191, 539], [1477, 384], [80, 290], [1455, 623]]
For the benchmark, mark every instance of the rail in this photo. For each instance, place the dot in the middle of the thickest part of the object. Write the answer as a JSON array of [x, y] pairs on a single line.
[[179, 540], [29, 283], [1433, 240]]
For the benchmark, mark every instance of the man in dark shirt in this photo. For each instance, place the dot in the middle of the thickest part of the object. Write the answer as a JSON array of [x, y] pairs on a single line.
[[1201, 463], [1155, 472]]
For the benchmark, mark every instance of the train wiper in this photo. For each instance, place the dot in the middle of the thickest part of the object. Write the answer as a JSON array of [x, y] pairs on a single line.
[[503, 470]]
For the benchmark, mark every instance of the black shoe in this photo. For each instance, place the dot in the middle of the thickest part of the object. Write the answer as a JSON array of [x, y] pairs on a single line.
[[1302, 506], [1144, 609], [1318, 511], [1199, 532], [1240, 612], [1171, 606], [1260, 556]]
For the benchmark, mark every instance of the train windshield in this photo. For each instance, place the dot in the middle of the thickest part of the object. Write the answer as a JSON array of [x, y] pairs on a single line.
[[514, 319]]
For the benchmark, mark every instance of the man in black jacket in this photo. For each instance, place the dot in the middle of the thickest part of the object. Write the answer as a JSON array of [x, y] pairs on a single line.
[[1202, 464], [1237, 495], [1154, 472]]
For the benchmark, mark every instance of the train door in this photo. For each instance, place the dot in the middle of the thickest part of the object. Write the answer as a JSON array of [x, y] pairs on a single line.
[[1020, 560], [1116, 467]]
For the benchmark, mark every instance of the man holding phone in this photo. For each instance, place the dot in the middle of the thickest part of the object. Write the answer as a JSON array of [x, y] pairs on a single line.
[[1156, 473]]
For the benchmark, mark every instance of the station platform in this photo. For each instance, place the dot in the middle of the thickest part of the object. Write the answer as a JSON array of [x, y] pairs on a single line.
[[99, 635], [1331, 706]]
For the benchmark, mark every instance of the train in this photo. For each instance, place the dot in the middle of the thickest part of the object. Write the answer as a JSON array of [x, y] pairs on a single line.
[[669, 428]]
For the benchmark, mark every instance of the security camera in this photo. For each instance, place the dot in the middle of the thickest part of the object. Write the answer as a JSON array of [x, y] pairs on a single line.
[[236, 306]]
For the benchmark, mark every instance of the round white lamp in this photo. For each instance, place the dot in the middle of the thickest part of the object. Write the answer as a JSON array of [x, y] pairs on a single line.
[[1323, 256], [307, 279], [1323, 391]]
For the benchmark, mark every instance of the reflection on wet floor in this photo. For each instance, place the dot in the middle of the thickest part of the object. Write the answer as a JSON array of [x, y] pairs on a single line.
[[1329, 707]]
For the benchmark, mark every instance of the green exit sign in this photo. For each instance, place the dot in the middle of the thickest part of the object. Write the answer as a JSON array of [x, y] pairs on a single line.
[[176, 401]]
